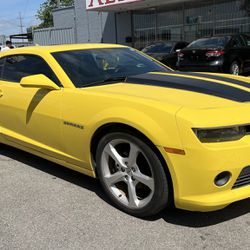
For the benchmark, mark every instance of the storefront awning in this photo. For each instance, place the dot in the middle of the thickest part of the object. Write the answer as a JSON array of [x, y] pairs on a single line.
[[125, 5]]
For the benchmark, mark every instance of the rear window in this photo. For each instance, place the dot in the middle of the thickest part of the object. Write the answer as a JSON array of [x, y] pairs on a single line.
[[247, 39], [158, 48], [212, 42]]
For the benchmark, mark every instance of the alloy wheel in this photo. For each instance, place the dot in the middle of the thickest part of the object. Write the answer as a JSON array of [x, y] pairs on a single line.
[[235, 68], [127, 173]]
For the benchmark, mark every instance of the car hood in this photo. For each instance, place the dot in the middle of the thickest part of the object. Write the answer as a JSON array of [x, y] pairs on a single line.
[[193, 90]]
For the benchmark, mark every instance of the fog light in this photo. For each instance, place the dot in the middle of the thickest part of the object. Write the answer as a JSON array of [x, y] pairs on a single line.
[[222, 179]]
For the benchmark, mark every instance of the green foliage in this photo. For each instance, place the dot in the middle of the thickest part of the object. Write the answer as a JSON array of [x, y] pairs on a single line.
[[44, 14]]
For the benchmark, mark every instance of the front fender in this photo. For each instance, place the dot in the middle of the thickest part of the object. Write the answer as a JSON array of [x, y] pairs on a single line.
[[159, 129]]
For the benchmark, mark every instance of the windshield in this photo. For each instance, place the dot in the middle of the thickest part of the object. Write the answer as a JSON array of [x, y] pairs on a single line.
[[212, 42], [86, 67], [158, 48]]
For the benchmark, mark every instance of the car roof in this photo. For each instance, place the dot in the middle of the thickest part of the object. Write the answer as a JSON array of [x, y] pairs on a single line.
[[58, 48], [217, 36], [161, 42]]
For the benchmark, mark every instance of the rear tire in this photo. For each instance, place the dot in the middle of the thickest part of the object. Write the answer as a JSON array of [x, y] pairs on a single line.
[[235, 68], [132, 175]]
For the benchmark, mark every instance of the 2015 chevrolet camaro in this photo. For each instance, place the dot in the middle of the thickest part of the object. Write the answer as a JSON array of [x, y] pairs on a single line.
[[150, 134]]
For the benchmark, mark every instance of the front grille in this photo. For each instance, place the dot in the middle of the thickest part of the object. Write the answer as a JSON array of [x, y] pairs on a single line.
[[243, 179]]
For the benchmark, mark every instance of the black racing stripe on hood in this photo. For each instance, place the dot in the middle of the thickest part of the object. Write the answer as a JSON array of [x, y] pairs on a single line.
[[191, 84], [219, 78]]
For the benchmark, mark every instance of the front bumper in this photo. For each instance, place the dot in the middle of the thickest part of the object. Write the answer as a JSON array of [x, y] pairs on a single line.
[[213, 202], [193, 178], [193, 174]]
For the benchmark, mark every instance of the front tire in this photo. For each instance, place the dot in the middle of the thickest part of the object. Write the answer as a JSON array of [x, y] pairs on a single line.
[[132, 175]]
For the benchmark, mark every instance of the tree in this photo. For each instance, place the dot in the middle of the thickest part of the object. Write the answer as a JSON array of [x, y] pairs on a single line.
[[45, 12]]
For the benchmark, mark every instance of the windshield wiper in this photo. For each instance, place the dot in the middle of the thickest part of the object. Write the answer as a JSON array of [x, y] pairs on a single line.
[[115, 79], [106, 81]]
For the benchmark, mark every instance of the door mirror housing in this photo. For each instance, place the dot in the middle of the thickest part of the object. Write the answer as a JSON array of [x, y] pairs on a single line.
[[38, 81]]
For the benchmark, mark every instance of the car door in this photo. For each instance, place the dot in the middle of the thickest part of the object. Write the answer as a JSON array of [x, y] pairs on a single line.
[[246, 52], [172, 58], [236, 52], [30, 117]]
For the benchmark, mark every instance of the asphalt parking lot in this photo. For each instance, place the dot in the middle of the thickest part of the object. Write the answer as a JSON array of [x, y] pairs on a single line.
[[46, 206]]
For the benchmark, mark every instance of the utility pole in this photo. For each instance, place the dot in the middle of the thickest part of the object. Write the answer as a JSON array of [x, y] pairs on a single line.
[[58, 3], [21, 23]]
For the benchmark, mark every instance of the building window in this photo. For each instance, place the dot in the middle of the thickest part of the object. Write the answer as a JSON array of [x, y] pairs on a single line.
[[191, 20]]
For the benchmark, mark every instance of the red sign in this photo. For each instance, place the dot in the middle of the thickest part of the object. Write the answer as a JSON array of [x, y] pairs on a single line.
[[96, 4]]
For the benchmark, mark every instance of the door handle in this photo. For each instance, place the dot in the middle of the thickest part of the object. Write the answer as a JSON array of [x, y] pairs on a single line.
[[1, 93]]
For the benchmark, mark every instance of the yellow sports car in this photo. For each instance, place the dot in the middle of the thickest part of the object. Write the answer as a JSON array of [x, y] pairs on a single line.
[[151, 135]]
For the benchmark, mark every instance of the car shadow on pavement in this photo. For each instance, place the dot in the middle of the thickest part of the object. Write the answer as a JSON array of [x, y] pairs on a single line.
[[198, 219], [172, 216], [53, 169]]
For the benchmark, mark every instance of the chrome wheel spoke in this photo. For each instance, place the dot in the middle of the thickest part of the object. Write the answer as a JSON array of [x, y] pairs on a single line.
[[144, 179], [235, 69], [133, 154], [112, 152], [132, 197], [114, 178]]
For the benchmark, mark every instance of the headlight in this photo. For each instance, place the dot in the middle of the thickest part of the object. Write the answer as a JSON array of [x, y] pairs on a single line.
[[221, 134]]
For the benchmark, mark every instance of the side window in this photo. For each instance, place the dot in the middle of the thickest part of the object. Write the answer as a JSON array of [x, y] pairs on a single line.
[[180, 46], [237, 42], [18, 66], [247, 40], [1, 67]]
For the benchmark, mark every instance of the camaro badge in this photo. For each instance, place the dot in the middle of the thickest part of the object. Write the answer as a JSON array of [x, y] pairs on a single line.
[[73, 125]]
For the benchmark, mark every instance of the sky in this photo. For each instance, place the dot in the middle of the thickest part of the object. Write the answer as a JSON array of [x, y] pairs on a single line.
[[9, 15]]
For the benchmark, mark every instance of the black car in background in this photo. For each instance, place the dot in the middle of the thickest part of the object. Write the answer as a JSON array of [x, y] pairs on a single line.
[[165, 52], [227, 54]]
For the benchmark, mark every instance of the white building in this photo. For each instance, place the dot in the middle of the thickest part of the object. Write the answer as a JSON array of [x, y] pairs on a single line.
[[2, 39], [140, 22]]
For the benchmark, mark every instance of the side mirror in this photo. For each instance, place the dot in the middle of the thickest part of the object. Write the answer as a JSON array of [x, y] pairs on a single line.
[[38, 81]]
